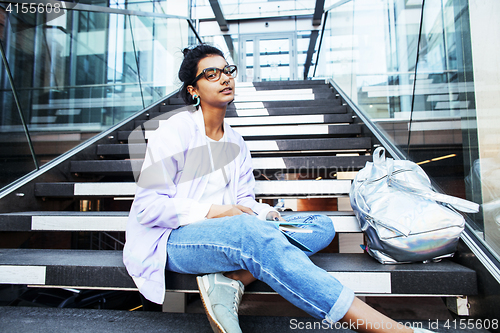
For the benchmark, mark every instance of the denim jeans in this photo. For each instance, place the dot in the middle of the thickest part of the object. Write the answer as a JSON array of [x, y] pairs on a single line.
[[245, 242]]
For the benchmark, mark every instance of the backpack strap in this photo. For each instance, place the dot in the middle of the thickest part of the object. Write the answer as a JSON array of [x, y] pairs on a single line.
[[457, 203]]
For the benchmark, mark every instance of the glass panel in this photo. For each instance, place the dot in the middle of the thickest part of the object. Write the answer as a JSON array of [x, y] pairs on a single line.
[[456, 135], [16, 158], [369, 51], [157, 54], [303, 38], [66, 80], [82, 72], [335, 59], [439, 98], [15, 155], [442, 111], [274, 59], [249, 61], [179, 8]]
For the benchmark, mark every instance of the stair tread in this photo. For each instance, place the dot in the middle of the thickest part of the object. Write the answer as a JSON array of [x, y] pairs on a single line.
[[92, 268], [330, 102], [278, 187], [125, 213], [282, 131], [117, 221], [268, 120], [299, 145], [292, 163], [231, 111], [282, 84], [322, 100], [259, 96], [35, 320]]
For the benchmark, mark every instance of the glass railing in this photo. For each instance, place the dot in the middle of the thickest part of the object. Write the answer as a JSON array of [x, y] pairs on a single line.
[[422, 72], [77, 74]]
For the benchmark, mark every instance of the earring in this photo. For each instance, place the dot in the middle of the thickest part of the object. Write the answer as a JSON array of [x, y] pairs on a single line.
[[197, 99]]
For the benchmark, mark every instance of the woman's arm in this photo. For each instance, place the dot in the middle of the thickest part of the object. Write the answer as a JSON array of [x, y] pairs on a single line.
[[155, 203], [217, 211]]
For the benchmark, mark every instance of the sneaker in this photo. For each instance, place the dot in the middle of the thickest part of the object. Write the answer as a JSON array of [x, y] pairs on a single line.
[[221, 297]]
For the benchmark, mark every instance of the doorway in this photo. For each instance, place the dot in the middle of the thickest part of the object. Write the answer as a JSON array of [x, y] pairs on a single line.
[[267, 57]]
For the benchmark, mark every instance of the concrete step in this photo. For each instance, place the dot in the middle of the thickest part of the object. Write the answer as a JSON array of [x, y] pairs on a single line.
[[281, 131], [285, 111], [296, 91], [267, 120], [360, 272], [231, 111], [31, 320], [276, 99], [277, 147], [282, 84], [292, 164], [35, 320], [325, 102], [273, 96], [276, 188], [270, 102], [344, 222], [293, 131]]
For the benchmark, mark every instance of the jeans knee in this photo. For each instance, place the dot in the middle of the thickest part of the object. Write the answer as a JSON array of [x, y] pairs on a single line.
[[326, 226], [251, 226]]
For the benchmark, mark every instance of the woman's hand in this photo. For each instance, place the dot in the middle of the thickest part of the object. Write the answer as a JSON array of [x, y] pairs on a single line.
[[217, 211], [274, 216]]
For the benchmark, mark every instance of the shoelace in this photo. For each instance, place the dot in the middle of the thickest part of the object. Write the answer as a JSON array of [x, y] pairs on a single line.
[[237, 297]]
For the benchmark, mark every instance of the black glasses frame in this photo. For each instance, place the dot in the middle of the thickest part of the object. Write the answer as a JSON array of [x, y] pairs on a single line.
[[214, 73]]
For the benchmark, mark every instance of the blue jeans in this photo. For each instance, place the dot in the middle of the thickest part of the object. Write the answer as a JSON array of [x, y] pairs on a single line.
[[245, 242]]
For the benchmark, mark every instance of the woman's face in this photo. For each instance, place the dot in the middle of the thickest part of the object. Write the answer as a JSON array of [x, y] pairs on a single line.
[[214, 93]]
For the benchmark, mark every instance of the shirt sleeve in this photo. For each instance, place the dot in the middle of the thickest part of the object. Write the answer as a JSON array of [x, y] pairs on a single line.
[[198, 213], [155, 203]]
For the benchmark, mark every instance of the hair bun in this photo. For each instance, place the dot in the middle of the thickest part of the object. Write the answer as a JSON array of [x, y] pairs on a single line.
[[186, 51]]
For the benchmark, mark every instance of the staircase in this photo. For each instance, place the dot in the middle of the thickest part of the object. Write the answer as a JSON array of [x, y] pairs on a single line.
[[306, 144]]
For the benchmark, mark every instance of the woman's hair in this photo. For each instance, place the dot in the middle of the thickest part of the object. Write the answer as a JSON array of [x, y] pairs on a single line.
[[189, 67]]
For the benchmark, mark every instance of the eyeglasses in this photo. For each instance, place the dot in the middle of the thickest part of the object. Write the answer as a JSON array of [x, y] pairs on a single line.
[[213, 73]]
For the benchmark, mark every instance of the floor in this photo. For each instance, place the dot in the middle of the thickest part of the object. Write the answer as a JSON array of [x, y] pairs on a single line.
[[398, 308]]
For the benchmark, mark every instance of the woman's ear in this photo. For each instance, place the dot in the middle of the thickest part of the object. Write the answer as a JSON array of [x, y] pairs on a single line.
[[191, 90]]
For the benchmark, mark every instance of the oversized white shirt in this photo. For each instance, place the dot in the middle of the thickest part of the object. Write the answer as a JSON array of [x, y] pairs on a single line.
[[174, 177]]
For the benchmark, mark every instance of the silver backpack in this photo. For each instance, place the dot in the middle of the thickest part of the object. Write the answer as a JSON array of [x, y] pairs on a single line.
[[403, 218]]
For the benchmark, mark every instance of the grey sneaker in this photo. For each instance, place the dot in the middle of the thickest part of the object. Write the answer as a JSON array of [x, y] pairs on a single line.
[[221, 297]]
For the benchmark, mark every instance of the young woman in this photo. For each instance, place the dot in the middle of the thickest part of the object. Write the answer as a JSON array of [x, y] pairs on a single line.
[[196, 214]]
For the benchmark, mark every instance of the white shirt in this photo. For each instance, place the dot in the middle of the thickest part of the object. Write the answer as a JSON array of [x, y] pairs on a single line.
[[216, 192]]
